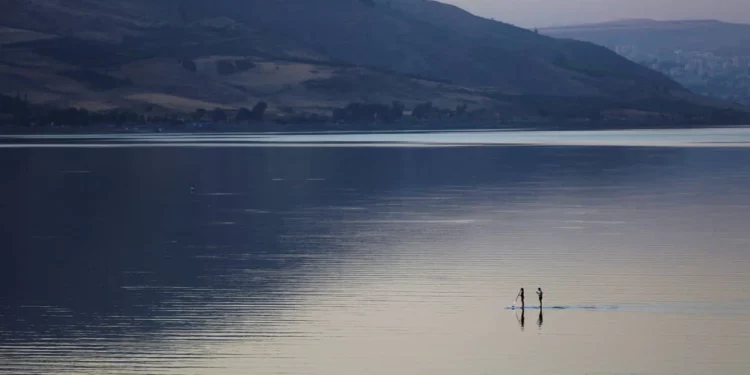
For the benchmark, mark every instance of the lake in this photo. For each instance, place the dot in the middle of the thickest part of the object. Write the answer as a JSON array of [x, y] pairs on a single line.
[[386, 253]]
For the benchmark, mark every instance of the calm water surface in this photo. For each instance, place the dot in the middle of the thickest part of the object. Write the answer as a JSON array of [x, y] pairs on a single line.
[[318, 259]]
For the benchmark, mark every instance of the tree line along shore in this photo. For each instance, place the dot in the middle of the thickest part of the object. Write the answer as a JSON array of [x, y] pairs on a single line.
[[16, 111]]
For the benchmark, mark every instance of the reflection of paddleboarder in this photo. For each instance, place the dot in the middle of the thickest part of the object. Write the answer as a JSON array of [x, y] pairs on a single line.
[[540, 320], [522, 320], [540, 294]]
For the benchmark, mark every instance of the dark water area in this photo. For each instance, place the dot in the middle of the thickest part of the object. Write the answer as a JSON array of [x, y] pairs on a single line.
[[401, 260]]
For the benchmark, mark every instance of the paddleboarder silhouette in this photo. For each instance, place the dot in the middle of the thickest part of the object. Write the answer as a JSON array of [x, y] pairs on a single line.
[[540, 294], [520, 294]]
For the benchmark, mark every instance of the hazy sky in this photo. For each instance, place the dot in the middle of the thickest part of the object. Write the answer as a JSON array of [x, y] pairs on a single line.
[[532, 13]]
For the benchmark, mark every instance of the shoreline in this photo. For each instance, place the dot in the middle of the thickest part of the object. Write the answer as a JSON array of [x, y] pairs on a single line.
[[453, 126]]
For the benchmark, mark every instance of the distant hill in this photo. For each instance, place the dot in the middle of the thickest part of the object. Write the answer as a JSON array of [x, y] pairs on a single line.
[[709, 57], [313, 56]]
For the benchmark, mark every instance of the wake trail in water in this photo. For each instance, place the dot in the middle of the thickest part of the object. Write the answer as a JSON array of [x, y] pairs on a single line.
[[740, 307], [573, 307]]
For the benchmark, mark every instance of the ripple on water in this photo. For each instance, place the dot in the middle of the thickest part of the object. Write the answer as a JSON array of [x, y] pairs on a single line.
[[381, 269]]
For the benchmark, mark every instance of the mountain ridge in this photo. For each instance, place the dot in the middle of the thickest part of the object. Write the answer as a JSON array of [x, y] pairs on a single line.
[[709, 57], [310, 55]]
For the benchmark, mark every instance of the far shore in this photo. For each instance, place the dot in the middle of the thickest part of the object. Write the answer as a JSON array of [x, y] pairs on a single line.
[[208, 127]]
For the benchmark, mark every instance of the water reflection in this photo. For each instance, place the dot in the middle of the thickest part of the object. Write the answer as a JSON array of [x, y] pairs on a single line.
[[540, 319], [521, 319], [335, 254]]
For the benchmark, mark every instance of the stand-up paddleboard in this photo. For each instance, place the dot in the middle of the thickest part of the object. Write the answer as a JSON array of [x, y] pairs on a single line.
[[530, 307]]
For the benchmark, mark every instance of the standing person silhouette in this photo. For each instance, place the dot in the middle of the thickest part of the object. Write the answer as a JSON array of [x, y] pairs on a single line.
[[540, 294], [520, 294]]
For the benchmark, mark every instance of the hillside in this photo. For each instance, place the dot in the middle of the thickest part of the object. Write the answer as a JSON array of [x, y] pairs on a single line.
[[313, 56], [709, 57]]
